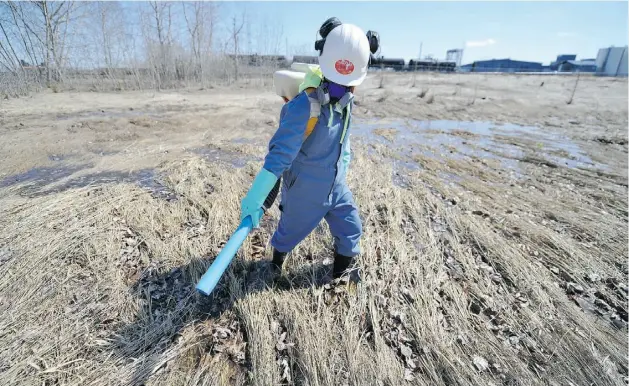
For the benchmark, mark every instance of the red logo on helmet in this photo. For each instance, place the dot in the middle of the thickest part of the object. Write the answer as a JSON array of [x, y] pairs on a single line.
[[344, 67]]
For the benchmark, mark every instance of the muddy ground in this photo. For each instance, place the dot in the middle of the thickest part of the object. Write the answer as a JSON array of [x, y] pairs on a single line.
[[495, 247]]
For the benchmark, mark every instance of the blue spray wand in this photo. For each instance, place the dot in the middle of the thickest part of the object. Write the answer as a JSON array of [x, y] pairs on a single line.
[[210, 278]]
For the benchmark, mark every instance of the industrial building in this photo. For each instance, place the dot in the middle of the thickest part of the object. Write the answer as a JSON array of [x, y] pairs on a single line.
[[502, 65], [387, 63], [455, 56], [612, 61], [306, 59], [585, 65], [431, 65], [554, 66]]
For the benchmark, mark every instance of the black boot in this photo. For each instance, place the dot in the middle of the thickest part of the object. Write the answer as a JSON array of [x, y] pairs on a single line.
[[345, 266], [278, 261]]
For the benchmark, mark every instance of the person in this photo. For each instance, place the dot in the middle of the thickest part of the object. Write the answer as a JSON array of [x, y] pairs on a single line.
[[310, 153]]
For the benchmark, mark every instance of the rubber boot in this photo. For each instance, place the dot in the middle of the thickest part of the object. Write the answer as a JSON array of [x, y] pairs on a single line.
[[278, 261], [345, 266]]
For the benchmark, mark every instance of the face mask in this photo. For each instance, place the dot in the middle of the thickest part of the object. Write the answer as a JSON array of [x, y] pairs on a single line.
[[336, 90]]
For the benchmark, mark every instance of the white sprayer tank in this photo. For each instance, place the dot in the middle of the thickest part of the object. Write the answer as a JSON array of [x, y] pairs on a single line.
[[287, 82]]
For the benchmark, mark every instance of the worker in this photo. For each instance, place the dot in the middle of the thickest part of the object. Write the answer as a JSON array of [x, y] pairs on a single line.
[[310, 153]]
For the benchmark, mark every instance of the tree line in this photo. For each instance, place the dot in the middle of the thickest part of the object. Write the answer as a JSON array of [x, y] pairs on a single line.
[[133, 45]]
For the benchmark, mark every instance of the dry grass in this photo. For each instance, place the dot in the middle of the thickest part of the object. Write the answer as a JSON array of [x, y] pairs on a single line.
[[98, 288], [473, 274], [388, 134]]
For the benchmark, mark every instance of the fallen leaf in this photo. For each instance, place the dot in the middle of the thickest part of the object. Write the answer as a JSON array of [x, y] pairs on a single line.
[[406, 351], [480, 363]]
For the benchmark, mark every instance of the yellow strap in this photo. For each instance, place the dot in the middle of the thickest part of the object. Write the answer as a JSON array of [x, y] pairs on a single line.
[[312, 122]]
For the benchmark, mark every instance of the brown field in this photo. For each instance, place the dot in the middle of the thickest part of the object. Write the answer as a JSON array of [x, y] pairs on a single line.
[[495, 246]]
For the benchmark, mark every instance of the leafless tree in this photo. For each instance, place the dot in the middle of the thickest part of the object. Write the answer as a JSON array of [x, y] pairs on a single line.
[[156, 44], [236, 29], [35, 33], [16, 29], [156, 22], [269, 37], [56, 15], [8, 57], [200, 18]]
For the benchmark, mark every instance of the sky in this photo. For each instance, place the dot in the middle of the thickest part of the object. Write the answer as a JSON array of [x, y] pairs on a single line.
[[531, 31]]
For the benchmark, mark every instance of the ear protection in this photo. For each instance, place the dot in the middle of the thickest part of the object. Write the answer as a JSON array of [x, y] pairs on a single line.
[[372, 36], [325, 29]]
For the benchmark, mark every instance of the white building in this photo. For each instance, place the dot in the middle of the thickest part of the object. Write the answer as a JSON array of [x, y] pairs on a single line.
[[612, 61]]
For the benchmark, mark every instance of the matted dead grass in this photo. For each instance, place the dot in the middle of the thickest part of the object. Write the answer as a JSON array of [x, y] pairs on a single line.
[[489, 280]]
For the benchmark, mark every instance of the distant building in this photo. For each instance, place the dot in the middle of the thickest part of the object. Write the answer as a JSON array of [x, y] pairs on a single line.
[[502, 65], [563, 58], [431, 65], [306, 59], [612, 61], [586, 65], [455, 55], [554, 66], [382, 62]]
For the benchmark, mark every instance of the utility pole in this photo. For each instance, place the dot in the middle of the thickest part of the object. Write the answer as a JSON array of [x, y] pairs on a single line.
[[421, 44]]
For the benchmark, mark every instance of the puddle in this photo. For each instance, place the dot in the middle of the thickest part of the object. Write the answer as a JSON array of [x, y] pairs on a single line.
[[145, 178], [35, 180], [39, 177], [506, 143], [46, 180], [233, 158], [434, 139]]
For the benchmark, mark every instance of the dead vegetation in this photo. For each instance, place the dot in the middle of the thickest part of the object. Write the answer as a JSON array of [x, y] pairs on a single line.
[[475, 273], [388, 134], [476, 283]]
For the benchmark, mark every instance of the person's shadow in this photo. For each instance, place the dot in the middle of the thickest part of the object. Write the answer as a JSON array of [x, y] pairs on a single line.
[[170, 303]]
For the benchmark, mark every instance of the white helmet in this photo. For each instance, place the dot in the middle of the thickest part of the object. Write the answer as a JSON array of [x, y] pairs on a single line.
[[345, 55]]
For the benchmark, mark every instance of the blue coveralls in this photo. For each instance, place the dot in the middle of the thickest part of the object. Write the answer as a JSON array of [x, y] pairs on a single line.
[[313, 173]]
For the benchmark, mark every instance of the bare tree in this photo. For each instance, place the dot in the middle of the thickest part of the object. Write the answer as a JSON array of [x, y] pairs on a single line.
[[35, 31], [156, 24], [104, 18], [236, 29], [269, 37], [8, 57], [56, 15], [162, 16], [200, 18], [104, 36], [156, 43], [17, 32]]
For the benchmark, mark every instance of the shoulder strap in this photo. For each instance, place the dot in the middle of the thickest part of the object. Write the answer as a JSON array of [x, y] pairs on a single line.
[[315, 111], [311, 82], [310, 85]]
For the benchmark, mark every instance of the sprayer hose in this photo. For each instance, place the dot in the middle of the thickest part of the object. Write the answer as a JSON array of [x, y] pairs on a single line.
[[270, 198]]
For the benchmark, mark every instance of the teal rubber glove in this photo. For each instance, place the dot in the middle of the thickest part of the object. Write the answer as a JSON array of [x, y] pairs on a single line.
[[251, 205]]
